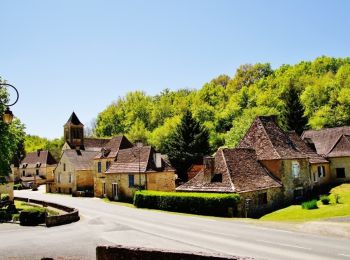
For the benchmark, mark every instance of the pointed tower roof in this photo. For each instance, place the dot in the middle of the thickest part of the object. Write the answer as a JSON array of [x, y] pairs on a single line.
[[73, 120]]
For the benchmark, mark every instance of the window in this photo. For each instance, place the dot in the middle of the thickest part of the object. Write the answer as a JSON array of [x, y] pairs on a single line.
[[70, 178], [321, 171], [131, 181], [24, 173], [103, 189], [295, 169], [59, 178], [37, 172], [64, 167], [99, 167], [262, 198], [108, 163], [340, 172], [217, 178]]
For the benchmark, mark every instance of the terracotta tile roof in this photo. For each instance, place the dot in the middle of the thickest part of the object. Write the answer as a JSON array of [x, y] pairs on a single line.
[[271, 142], [73, 120], [110, 150], [241, 172], [314, 158], [325, 139], [38, 159], [127, 161], [194, 170], [80, 159]]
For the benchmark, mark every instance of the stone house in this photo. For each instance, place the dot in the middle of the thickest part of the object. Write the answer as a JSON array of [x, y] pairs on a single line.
[[334, 145], [74, 171], [37, 167], [138, 168], [286, 156], [104, 159], [238, 171]]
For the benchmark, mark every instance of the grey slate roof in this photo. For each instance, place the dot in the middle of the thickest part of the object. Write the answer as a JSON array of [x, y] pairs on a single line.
[[38, 159], [81, 160], [326, 139]]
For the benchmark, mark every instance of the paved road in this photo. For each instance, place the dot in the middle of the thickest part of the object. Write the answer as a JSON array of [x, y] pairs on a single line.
[[107, 224]]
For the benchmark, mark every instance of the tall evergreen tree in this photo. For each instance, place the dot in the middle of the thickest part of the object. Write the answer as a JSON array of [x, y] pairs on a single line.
[[294, 113], [187, 144]]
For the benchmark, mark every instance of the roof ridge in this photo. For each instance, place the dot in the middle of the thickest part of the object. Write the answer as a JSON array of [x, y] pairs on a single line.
[[335, 143], [268, 137], [228, 171]]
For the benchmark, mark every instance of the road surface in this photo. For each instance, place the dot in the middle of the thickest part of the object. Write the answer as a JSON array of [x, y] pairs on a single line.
[[110, 224]]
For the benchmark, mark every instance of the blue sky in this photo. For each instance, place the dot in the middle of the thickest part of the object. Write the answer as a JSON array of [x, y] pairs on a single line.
[[82, 55]]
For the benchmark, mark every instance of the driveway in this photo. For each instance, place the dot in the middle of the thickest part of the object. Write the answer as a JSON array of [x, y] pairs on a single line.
[[110, 224]]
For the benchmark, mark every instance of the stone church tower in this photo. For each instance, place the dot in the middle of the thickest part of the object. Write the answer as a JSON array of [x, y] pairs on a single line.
[[74, 132]]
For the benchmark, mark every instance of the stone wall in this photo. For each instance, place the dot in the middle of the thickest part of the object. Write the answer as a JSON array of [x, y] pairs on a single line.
[[340, 162], [161, 181], [256, 209], [123, 252], [84, 180], [290, 183], [62, 172], [71, 215], [320, 180]]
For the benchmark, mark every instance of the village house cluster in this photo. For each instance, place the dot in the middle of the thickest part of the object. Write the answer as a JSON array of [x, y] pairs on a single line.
[[269, 168]]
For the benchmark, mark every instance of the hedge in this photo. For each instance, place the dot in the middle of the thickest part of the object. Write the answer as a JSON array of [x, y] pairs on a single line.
[[214, 204], [32, 217]]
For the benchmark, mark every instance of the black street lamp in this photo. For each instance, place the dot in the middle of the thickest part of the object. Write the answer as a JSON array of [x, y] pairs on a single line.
[[7, 117]]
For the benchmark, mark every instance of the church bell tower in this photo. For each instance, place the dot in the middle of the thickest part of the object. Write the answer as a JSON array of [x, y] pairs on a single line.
[[74, 132]]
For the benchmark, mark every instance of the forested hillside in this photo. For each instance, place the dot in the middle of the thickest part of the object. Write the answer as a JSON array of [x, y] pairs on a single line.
[[312, 94]]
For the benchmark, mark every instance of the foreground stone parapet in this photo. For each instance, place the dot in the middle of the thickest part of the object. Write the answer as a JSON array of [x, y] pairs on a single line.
[[124, 252], [71, 215]]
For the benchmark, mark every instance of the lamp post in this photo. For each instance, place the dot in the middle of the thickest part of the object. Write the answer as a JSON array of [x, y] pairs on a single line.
[[7, 117]]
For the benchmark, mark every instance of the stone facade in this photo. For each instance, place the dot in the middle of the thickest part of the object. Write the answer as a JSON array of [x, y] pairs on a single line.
[[158, 181], [260, 202], [100, 177], [340, 163]]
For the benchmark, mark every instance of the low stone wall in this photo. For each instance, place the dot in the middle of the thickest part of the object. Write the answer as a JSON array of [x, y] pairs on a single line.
[[123, 252], [72, 214]]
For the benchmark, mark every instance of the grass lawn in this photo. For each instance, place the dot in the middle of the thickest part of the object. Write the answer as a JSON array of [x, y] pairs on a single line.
[[21, 205], [296, 213]]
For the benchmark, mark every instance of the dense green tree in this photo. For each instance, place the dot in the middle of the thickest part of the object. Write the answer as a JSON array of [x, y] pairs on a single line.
[[11, 137], [294, 112], [33, 143], [187, 144]]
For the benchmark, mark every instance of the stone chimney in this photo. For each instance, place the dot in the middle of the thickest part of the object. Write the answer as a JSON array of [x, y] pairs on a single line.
[[209, 168]]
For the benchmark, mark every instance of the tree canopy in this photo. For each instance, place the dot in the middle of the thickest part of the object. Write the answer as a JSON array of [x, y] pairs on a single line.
[[310, 94], [11, 138]]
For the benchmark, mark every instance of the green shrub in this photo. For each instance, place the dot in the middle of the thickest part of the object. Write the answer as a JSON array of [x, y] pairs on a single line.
[[4, 216], [337, 198], [311, 204], [324, 199], [32, 216], [188, 202], [5, 197], [17, 186], [15, 217]]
